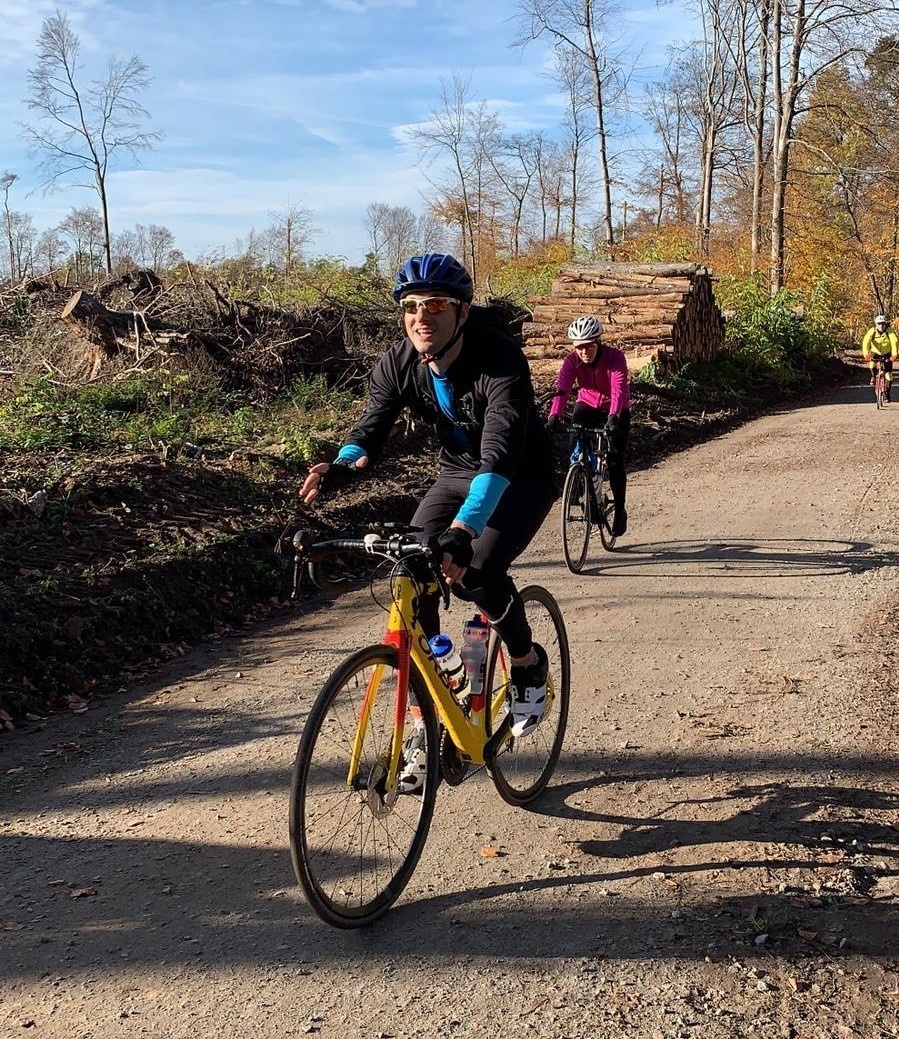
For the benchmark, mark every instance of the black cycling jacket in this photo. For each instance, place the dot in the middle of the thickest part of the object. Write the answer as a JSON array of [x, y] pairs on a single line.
[[494, 402]]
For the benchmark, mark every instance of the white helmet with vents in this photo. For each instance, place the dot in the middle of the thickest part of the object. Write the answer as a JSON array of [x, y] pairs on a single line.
[[881, 319], [583, 328]]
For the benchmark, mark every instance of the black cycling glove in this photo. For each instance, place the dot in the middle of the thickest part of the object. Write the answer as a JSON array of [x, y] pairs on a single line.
[[456, 543], [611, 424], [551, 423], [341, 474]]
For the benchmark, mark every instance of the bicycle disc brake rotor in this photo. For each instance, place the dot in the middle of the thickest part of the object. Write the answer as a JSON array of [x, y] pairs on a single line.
[[379, 802]]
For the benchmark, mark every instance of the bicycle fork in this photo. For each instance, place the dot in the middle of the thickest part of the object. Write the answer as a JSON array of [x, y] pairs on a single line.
[[401, 641]]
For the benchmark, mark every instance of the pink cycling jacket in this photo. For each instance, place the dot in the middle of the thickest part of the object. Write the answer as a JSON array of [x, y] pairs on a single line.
[[603, 384]]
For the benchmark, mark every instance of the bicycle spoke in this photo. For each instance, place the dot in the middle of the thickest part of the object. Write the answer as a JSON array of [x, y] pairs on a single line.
[[576, 517], [354, 845], [524, 764]]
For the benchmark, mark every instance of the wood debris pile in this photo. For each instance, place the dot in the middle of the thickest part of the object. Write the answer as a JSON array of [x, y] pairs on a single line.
[[134, 321], [668, 309]]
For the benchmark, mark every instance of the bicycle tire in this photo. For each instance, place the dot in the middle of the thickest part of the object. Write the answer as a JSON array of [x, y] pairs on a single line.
[[576, 517], [524, 764], [353, 848], [606, 516]]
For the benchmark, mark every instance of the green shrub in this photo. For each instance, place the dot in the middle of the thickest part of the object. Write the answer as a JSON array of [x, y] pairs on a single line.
[[784, 337]]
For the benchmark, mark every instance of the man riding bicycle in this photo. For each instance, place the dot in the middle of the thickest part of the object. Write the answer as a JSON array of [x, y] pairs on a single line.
[[495, 483], [603, 401], [879, 342]]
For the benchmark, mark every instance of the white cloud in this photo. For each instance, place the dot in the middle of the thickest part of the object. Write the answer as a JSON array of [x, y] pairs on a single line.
[[263, 101], [22, 25]]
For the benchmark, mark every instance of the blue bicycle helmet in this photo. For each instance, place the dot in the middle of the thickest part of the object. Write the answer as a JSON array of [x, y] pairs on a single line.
[[434, 272]]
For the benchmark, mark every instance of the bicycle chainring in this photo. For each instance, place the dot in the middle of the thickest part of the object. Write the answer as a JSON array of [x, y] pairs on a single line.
[[452, 767]]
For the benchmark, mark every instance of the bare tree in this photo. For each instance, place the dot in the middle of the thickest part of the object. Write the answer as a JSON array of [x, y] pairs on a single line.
[[806, 40], [514, 160], [461, 132], [376, 216], [49, 251], [289, 233], [750, 50], [714, 73], [160, 243], [667, 174], [23, 237], [81, 130], [393, 233], [127, 250], [571, 73], [584, 27], [83, 227], [6, 182]]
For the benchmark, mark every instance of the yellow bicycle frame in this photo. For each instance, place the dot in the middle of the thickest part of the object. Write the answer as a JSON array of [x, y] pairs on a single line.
[[466, 728]]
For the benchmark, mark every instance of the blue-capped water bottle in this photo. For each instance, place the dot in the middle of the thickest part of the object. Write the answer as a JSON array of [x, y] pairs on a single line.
[[449, 661]]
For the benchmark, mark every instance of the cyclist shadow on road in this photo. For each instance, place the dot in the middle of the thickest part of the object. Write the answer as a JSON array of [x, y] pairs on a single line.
[[812, 866], [742, 557]]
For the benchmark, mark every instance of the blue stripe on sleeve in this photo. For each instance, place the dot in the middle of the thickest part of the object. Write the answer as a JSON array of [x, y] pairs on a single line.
[[351, 453], [483, 495]]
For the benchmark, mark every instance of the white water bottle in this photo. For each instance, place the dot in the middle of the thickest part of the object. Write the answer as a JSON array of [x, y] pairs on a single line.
[[475, 633], [449, 661]]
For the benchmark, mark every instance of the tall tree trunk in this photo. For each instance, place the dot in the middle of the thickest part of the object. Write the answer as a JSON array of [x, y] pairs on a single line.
[[104, 213], [758, 136], [600, 128], [779, 173], [704, 211]]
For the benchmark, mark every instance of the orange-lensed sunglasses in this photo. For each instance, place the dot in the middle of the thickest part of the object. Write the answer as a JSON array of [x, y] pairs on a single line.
[[433, 304]]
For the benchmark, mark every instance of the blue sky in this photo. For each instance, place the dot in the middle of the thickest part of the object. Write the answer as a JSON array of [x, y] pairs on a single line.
[[266, 103]]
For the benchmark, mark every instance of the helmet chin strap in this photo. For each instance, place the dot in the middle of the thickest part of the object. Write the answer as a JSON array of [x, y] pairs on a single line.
[[457, 332]]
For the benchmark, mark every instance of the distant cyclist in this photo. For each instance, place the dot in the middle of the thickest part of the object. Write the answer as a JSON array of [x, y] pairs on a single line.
[[880, 341], [603, 401], [470, 380]]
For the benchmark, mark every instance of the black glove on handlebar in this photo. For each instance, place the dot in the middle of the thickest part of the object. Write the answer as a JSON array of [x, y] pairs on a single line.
[[611, 424], [456, 543], [551, 423]]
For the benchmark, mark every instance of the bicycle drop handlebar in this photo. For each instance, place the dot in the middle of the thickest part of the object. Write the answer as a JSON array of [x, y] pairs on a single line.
[[396, 542]]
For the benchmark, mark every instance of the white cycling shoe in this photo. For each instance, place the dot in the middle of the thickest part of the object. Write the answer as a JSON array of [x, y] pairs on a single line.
[[529, 694]]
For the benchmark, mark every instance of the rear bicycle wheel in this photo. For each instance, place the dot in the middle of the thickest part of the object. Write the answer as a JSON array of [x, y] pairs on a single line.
[[355, 842], [576, 517], [524, 764], [606, 514]]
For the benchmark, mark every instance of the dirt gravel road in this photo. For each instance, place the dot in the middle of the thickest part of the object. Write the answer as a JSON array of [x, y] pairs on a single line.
[[716, 856]]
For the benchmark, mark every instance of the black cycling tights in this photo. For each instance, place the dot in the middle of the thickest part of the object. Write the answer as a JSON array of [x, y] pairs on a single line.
[[516, 520], [594, 418]]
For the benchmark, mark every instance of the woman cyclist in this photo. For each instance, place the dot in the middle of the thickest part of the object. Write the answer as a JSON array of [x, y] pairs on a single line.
[[603, 400]]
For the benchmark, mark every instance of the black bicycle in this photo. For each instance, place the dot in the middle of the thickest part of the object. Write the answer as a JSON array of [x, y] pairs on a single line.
[[586, 497]]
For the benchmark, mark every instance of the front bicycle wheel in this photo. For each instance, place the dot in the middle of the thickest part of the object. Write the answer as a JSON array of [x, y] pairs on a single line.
[[879, 395], [524, 764], [576, 517], [354, 838]]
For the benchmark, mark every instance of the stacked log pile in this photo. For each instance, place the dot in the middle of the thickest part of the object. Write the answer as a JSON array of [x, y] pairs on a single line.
[[668, 309]]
